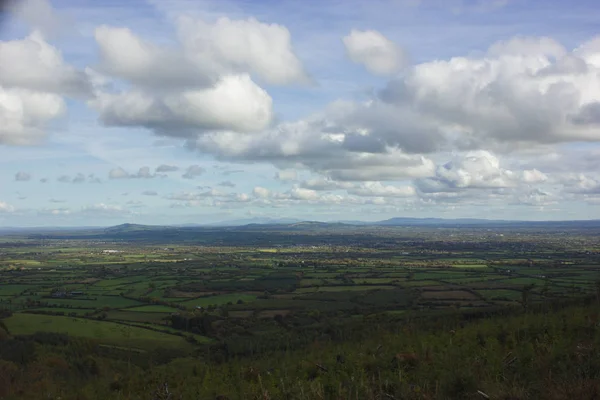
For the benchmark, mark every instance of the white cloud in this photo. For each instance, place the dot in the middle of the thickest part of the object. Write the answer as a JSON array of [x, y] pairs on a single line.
[[581, 184], [474, 170], [32, 84], [24, 115], [377, 53], [325, 184], [6, 208], [120, 173], [533, 176], [125, 55], [286, 175], [525, 91], [379, 190], [299, 193], [150, 193], [243, 46], [537, 198], [22, 176], [144, 172], [319, 145], [205, 82], [261, 192], [235, 102], [36, 65], [39, 14], [102, 209], [55, 211]]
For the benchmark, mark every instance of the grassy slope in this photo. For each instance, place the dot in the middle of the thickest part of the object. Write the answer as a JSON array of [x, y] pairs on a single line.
[[536, 356]]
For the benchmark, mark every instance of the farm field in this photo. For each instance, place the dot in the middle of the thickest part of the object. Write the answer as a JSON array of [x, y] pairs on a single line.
[[103, 331], [229, 286]]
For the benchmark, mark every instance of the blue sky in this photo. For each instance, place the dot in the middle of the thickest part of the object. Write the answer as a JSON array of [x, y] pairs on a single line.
[[170, 112]]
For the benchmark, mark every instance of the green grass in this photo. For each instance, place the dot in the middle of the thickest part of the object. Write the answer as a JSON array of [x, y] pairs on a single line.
[[154, 308], [103, 331], [149, 317], [509, 294], [11, 290], [100, 302], [219, 299], [78, 311], [342, 288]]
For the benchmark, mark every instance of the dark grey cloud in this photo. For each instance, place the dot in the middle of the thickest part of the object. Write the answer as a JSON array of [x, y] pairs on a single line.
[[193, 171]]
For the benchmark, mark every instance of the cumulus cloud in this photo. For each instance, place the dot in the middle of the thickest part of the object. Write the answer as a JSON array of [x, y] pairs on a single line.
[[261, 192], [478, 170], [536, 197], [79, 178], [31, 88], [533, 176], [235, 102], [22, 176], [319, 145], [6, 208], [240, 46], [55, 211], [193, 171], [36, 65], [166, 168], [377, 53], [206, 82], [581, 184], [286, 175], [379, 190], [523, 93], [227, 184], [120, 173], [526, 90], [325, 184], [106, 210], [299, 193], [25, 114], [127, 56], [40, 15]]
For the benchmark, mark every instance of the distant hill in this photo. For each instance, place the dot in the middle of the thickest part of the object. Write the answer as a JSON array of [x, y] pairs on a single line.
[[255, 221], [127, 228], [438, 221]]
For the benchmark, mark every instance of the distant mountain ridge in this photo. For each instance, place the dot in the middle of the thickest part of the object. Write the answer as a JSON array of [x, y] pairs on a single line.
[[291, 223], [296, 224]]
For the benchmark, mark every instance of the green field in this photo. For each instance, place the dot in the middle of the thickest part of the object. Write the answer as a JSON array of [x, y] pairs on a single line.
[[153, 308], [219, 299], [103, 331]]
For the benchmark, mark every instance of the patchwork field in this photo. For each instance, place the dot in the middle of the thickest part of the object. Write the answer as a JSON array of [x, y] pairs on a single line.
[[234, 285]]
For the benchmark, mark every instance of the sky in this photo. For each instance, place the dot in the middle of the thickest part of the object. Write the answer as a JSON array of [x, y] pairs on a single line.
[[192, 112]]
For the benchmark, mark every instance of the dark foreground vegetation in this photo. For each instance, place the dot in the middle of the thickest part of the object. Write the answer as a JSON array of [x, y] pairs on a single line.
[[323, 313], [541, 354]]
